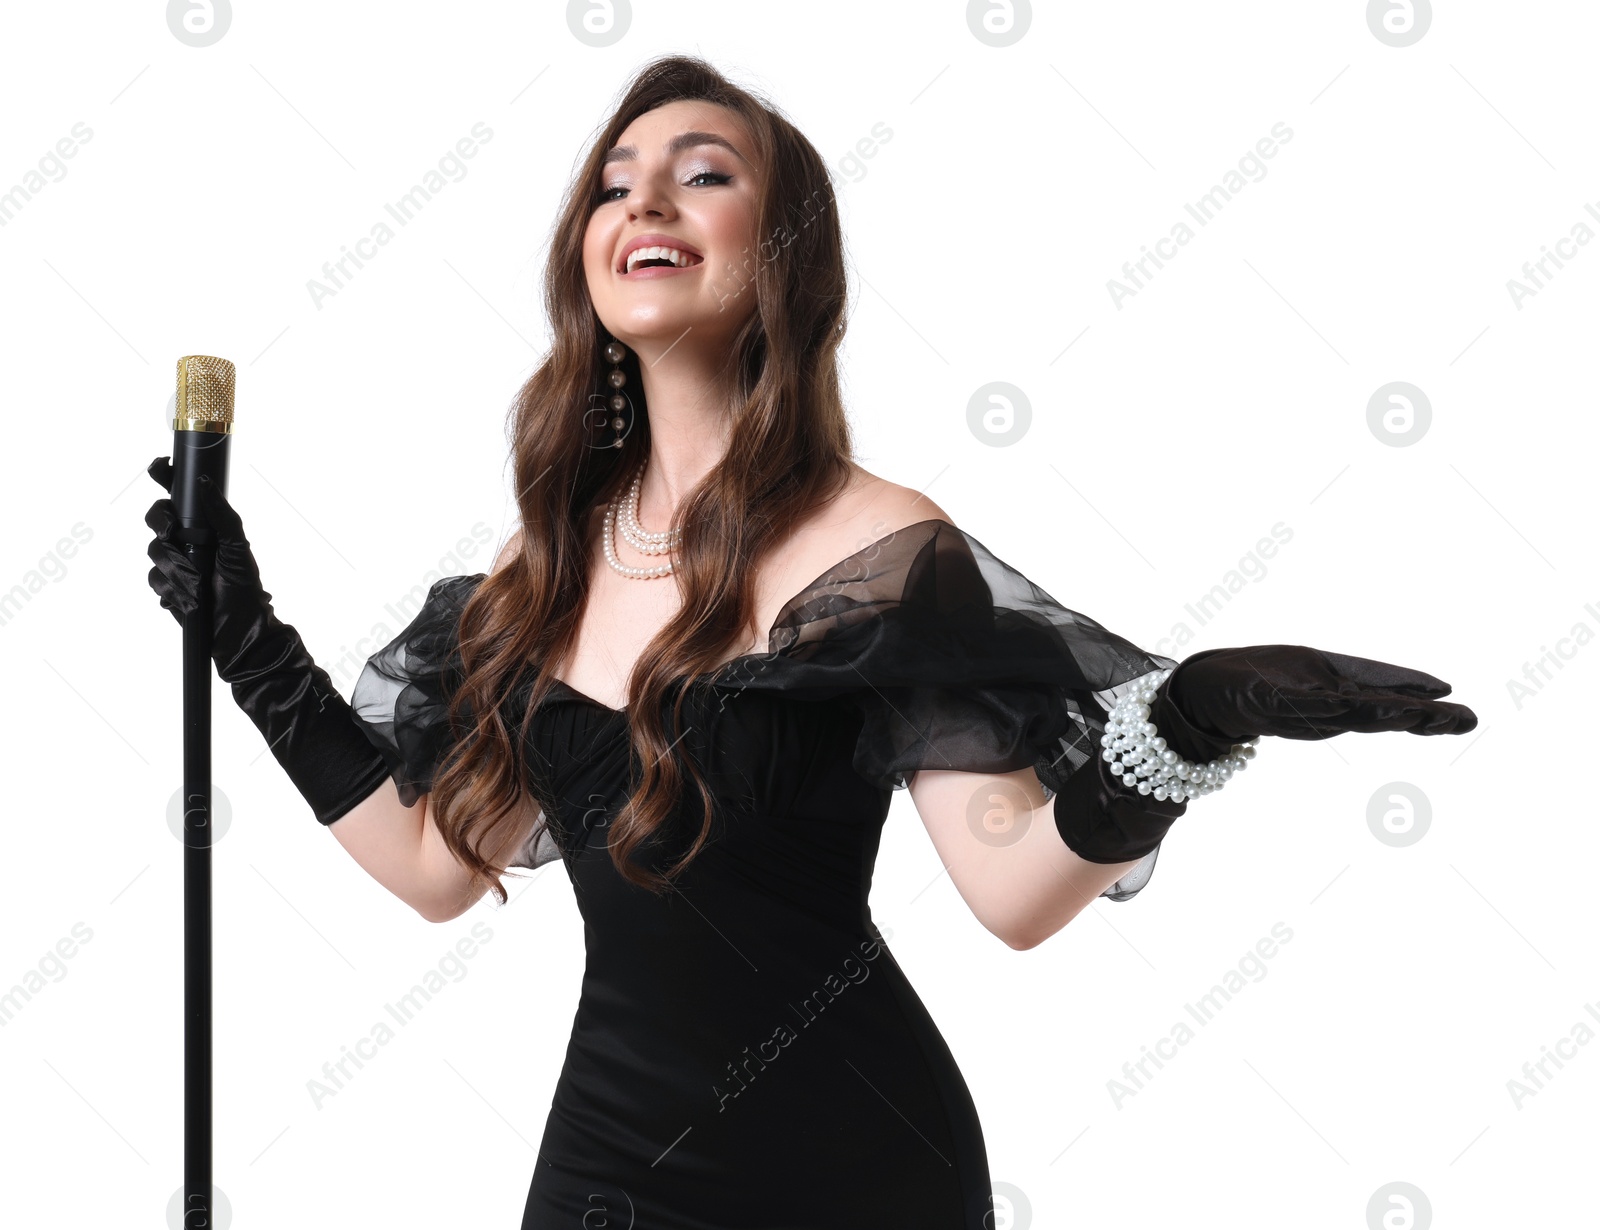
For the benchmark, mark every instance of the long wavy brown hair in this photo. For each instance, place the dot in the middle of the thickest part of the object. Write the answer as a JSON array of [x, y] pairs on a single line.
[[790, 451]]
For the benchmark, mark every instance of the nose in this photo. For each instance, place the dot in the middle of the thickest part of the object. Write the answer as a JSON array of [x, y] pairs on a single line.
[[648, 199]]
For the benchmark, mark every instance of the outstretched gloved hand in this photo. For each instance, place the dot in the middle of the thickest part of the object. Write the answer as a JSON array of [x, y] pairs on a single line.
[[1219, 697]]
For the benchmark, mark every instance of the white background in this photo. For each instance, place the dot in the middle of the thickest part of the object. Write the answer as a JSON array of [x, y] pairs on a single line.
[[1169, 433]]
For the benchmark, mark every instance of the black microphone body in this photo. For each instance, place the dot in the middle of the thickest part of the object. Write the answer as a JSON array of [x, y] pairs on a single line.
[[202, 431]]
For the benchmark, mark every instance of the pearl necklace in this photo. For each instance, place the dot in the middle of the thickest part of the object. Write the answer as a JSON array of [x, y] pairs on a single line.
[[645, 541]]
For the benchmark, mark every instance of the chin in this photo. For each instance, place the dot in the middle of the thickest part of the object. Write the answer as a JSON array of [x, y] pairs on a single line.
[[658, 326]]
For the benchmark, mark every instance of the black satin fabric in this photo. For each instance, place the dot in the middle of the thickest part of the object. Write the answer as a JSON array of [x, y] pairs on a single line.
[[746, 1053]]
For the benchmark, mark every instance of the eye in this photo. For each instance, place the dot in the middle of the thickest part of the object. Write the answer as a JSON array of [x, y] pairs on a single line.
[[716, 177]]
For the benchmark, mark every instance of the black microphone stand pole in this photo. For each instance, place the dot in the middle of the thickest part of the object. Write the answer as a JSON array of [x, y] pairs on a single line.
[[202, 427]]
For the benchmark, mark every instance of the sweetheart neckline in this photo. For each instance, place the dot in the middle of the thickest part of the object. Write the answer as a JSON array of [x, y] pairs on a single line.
[[585, 698], [695, 677]]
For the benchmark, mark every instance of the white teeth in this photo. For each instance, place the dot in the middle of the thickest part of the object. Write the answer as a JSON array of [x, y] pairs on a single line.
[[680, 259]]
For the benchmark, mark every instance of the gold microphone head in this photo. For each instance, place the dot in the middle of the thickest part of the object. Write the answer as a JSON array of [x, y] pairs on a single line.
[[205, 394]]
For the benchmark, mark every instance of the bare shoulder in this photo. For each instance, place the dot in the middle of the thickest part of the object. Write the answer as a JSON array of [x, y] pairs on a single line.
[[874, 507], [869, 508]]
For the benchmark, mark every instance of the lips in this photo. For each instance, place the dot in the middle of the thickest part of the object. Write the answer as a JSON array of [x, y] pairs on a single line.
[[653, 239]]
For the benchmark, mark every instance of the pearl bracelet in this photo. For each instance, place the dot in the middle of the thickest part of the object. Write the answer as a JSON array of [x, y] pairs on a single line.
[[1141, 757]]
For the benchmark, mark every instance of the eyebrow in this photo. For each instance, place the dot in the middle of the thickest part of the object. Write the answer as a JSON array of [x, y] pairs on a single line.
[[679, 143]]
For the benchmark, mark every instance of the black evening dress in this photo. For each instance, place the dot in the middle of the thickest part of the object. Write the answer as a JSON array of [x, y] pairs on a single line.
[[746, 1054]]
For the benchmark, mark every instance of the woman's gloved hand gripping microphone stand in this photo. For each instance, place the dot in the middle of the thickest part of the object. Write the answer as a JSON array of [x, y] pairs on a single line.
[[206, 576]]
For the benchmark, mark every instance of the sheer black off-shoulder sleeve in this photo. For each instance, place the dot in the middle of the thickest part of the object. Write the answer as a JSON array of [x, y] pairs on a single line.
[[403, 693], [402, 698], [957, 661]]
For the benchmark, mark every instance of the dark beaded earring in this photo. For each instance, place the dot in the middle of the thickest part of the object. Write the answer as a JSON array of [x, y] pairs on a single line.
[[615, 352]]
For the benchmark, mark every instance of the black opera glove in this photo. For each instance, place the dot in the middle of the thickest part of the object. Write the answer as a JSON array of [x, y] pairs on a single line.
[[312, 731], [1103, 821], [1219, 697]]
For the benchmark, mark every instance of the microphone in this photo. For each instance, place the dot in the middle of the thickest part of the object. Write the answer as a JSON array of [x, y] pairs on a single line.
[[202, 428]]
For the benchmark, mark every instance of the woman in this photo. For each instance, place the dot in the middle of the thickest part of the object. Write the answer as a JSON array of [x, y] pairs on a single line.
[[713, 756]]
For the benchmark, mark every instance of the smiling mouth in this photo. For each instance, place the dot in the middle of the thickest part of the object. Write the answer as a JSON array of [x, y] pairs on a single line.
[[659, 257]]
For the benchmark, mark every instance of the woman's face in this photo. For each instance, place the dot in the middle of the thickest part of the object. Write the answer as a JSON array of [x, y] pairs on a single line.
[[680, 177]]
